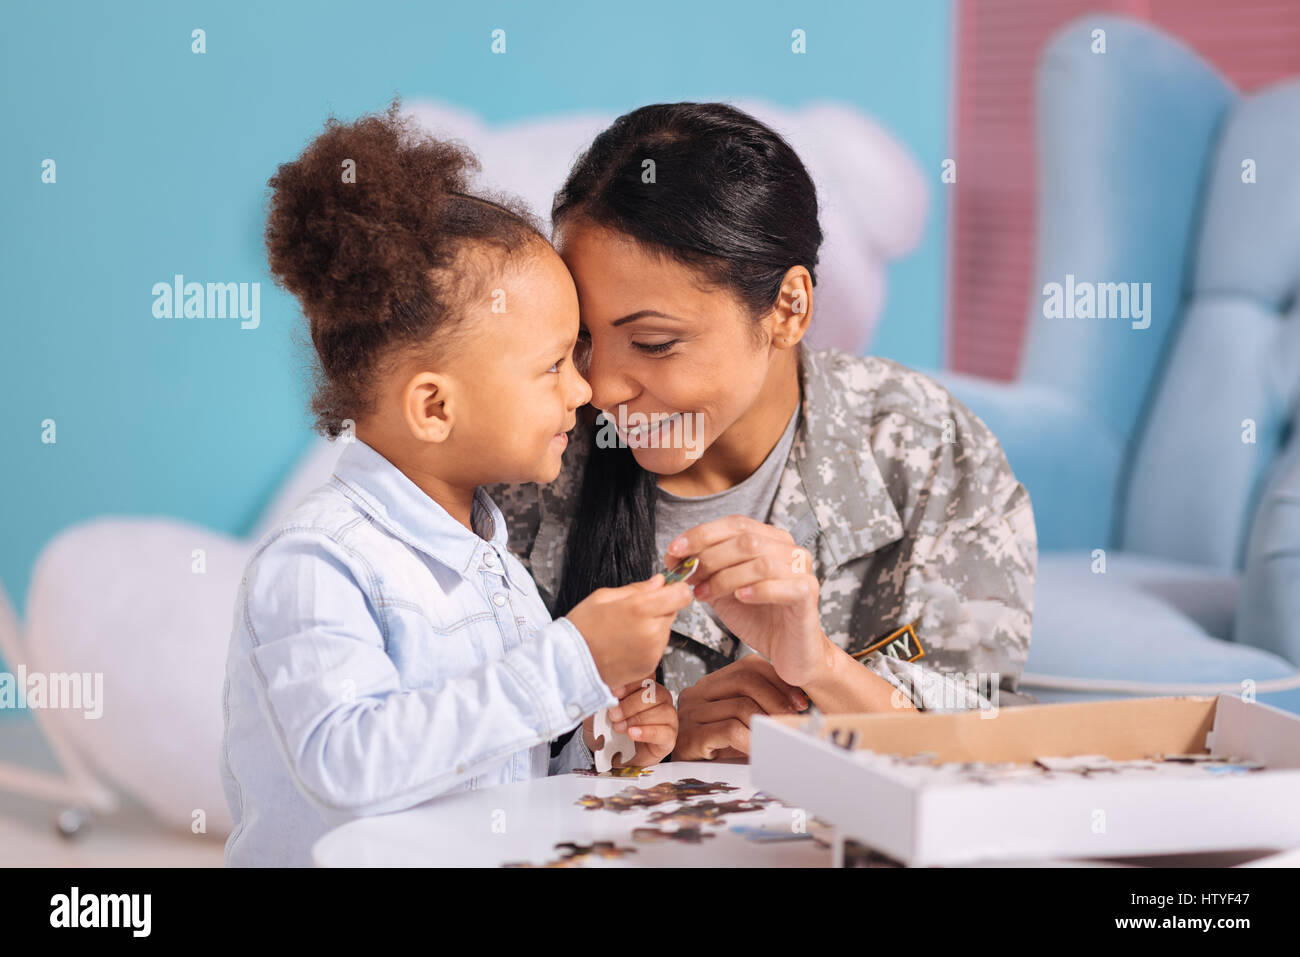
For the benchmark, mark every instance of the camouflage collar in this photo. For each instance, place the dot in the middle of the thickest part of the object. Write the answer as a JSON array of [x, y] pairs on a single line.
[[832, 497], [832, 483]]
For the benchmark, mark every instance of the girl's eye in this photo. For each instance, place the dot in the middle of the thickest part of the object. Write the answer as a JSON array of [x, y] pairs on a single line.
[[657, 347], [555, 367]]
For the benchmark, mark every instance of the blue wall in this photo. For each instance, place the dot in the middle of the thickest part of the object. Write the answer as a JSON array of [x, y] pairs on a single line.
[[162, 161]]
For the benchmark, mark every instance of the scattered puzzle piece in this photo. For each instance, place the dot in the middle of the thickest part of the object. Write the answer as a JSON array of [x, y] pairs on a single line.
[[603, 849], [665, 791], [709, 811], [769, 835], [694, 787], [682, 835], [626, 772], [576, 855], [611, 744]]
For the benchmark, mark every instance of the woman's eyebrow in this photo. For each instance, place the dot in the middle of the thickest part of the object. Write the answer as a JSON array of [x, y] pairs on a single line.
[[642, 313]]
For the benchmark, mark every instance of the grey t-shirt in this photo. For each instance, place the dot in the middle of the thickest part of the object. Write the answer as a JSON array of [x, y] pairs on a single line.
[[675, 514]]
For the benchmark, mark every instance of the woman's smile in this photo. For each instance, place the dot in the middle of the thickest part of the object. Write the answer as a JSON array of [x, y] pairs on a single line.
[[640, 433]]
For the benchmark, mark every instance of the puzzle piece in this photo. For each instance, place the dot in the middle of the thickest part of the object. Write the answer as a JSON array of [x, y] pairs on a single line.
[[682, 835], [682, 571], [626, 772], [769, 835], [634, 797], [602, 849], [710, 812], [694, 787], [611, 744], [576, 855]]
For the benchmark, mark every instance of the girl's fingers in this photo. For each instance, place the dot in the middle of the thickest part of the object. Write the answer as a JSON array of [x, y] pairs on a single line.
[[661, 736], [663, 713], [624, 690], [634, 701], [661, 602], [625, 592]]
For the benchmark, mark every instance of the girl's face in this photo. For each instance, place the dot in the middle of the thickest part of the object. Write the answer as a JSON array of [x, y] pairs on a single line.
[[658, 350], [519, 386], [495, 405]]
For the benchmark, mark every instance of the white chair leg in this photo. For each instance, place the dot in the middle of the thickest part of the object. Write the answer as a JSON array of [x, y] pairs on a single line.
[[77, 787]]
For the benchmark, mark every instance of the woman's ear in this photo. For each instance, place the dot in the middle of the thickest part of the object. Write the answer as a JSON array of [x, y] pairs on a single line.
[[428, 406], [789, 318]]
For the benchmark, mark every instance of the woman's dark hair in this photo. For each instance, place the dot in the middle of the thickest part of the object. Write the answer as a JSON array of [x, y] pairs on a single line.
[[730, 199], [366, 228]]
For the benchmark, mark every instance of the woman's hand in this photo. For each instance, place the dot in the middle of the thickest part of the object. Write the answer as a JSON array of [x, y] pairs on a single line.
[[762, 587], [645, 711], [715, 711]]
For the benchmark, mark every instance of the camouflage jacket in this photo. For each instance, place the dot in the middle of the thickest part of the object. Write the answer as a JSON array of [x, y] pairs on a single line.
[[912, 515]]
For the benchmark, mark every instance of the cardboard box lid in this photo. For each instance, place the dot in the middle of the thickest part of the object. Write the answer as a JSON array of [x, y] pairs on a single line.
[[1122, 729]]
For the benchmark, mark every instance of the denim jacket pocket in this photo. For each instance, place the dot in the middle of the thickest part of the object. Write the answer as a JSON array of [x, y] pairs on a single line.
[[426, 654]]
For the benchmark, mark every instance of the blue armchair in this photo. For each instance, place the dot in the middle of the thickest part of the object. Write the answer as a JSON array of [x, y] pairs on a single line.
[[1161, 459]]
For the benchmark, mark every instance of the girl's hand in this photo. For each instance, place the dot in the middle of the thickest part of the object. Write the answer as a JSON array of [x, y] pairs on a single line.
[[762, 587], [645, 711], [626, 628], [715, 711]]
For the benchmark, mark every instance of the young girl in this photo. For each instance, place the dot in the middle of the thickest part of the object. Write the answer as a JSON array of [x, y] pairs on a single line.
[[387, 647]]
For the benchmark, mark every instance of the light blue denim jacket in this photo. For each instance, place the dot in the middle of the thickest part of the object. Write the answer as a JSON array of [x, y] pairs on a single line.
[[381, 655]]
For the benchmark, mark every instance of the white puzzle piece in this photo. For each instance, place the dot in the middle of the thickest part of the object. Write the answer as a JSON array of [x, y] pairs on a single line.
[[616, 743]]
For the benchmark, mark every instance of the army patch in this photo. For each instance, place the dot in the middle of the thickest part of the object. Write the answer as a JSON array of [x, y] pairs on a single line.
[[902, 644]]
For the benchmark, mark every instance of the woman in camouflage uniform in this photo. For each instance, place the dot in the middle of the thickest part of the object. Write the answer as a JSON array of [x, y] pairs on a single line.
[[691, 233]]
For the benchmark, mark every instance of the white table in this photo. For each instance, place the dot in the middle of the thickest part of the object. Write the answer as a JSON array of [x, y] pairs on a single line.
[[531, 817]]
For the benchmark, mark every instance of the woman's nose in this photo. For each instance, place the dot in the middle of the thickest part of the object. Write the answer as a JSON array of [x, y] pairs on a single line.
[[608, 388]]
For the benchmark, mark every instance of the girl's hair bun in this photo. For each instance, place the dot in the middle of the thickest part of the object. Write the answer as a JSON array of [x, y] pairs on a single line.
[[359, 228]]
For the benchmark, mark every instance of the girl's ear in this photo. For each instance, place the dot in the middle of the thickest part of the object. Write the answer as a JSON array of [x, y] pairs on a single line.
[[428, 406]]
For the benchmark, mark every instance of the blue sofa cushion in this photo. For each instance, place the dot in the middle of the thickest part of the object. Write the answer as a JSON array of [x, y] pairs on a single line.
[[1268, 614], [1111, 627]]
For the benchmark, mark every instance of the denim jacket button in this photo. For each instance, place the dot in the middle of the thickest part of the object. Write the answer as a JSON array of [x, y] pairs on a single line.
[[499, 599], [574, 711]]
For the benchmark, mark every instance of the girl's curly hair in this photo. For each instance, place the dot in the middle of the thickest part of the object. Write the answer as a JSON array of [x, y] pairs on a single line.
[[367, 229]]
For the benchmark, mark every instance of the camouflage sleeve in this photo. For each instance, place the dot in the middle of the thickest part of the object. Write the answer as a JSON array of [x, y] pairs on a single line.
[[966, 566]]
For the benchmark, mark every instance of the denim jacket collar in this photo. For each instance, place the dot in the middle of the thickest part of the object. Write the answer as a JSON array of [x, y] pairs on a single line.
[[383, 492]]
